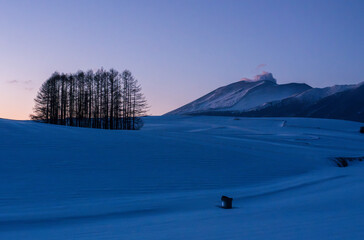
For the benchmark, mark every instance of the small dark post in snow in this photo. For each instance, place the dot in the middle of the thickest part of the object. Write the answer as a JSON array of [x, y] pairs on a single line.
[[362, 130], [226, 202]]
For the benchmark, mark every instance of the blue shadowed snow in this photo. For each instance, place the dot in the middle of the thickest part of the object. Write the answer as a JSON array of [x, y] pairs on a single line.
[[168, 178]]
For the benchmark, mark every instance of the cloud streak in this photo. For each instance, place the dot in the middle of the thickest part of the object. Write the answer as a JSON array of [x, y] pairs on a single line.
[[260, 66], [27, 84], [13, 82]]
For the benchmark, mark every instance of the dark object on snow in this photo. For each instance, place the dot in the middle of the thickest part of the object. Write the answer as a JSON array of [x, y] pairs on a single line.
[[362, 130], [344, 161], [226, 202]]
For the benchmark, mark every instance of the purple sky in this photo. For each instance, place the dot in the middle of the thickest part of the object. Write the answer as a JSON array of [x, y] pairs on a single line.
[[178, 50]]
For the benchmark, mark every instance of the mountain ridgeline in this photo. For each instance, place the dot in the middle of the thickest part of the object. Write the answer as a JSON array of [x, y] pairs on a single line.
[[104, 99], [263, 97]]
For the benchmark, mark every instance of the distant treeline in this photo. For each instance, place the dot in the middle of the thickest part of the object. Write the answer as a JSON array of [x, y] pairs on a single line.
[[104, 99]]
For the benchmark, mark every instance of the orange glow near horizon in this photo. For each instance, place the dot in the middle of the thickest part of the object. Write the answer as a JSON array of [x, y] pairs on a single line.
[[17, 100], [17, 105]]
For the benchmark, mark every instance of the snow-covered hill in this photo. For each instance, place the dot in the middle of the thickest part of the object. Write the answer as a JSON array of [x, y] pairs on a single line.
[[263, 97], [315, 94], [165, 181], [338, 102], [243, 95]]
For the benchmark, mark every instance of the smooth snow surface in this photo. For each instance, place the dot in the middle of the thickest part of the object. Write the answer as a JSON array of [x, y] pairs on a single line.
[[166, 180]]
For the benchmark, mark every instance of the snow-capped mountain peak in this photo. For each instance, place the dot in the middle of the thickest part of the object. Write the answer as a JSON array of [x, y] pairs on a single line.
[[243, 95]]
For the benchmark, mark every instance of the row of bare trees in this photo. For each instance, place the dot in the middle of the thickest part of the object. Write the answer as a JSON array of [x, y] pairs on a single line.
[[101, 99]]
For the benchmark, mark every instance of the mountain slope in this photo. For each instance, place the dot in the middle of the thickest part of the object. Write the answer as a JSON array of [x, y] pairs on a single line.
[[223, 97], [263, 97], [316, 94], [243, 95], [298, 105], [346, 105], [268, 92]]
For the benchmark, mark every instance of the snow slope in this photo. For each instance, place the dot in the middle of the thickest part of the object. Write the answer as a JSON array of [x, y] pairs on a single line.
[[266, 93], [315, 94], [243, 95], [344, 102], [263, 97], [165, 181]]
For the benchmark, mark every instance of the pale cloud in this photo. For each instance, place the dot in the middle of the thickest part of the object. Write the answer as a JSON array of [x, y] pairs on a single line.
[[262, 65], [13, 82], [266, 76], [26, 84]]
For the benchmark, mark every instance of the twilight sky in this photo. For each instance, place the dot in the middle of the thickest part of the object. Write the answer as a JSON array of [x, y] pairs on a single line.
[[178, 49]]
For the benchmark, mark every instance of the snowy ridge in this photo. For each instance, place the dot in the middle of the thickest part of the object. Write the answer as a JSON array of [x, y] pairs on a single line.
[[243, 95], [315, 94], [223, 97], [338, 102], [263, 97], [266, 93]]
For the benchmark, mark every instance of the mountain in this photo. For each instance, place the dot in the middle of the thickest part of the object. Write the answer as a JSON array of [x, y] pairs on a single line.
[[315, 94], [346, 104], [298, 105], [243, 95], [263, 97]]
